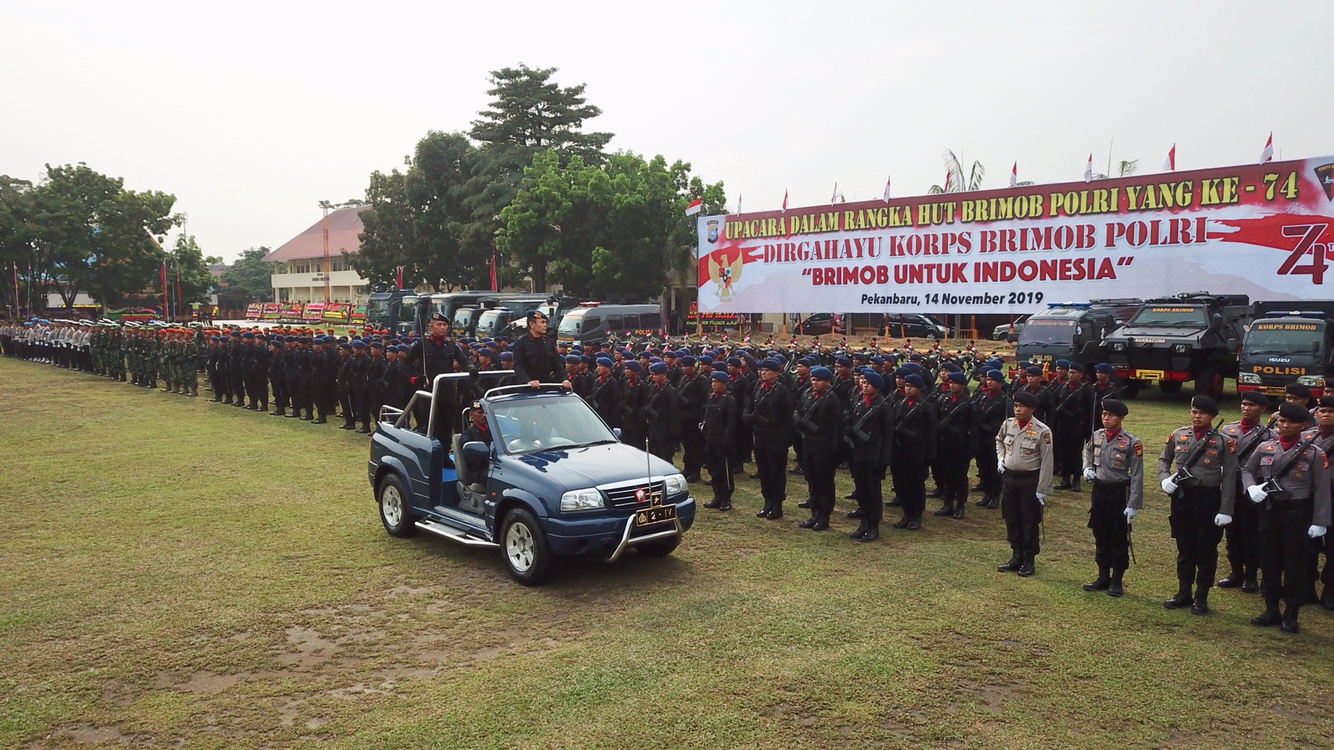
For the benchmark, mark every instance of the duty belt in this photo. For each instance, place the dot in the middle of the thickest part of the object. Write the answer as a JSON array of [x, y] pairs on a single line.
[[1022, 474]]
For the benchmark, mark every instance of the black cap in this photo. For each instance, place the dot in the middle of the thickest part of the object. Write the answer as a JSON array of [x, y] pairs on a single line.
[[1112, 406], [440, 317], [1025, 398], [1204, 404], [1298, 390], [1294, 412], [1255, 397], [1327, 402]]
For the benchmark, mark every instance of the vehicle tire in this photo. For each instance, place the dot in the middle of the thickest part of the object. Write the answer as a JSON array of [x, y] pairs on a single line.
[[523, 544], [1170, 386], [933, 336], [1131, 390], [1209, 382], [660, 547], [395, 510]]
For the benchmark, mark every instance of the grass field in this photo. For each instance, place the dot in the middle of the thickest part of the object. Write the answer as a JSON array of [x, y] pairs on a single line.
[[174, 573]]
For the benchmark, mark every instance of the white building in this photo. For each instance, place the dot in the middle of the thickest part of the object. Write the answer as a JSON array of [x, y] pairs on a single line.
[[298, 266]]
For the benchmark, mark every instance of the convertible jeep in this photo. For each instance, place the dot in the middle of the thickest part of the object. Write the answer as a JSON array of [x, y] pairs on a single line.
[[554, 481]]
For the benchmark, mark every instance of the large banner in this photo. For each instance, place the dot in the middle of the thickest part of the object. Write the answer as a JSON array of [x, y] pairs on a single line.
[[1262, 230], [337, 312], [253, 311], [358, 315], [272, 311]]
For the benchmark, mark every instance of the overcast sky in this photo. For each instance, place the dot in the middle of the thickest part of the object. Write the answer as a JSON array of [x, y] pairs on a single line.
[[252, 113]]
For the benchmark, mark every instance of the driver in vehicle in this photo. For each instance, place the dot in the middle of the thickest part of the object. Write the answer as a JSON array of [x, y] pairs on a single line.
[[480, 431]]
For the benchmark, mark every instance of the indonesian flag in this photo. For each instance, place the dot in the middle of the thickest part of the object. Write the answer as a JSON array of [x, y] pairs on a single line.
[[1267, 155], [738, 204], [1088, 170], [398, 275], [1014, 175], [784, 201], [834, 198], [887, 190], [695, 207], [1170, 163], [947, 183], [495, 287]]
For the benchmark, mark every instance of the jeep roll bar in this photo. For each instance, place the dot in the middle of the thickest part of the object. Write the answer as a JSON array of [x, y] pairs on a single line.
[[401, 415]]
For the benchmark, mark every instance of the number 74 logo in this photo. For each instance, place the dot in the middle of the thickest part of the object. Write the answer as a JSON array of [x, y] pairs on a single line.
[[1307, 235]]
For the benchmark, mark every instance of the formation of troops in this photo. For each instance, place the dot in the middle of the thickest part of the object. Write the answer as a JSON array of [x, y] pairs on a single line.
[[906, 416]]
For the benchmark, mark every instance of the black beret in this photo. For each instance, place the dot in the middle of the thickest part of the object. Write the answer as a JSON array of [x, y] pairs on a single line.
[[1255, 397], [440, 317], [1035, 370], [1024, 398], [1112, 406], [1204, 404], [1298, 390], [1294, 413], [1327, 402]]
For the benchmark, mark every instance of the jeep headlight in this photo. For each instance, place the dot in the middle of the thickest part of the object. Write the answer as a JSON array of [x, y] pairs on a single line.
[[589, 499], [675, 484], [1312, 381], [1180, 348], [1118, 347], [1248, 378]]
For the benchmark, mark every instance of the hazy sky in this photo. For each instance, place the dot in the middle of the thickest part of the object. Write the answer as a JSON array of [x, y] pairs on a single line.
[[252, 113]]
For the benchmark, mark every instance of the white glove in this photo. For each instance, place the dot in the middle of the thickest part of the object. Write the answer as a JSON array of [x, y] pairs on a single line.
[[1315, 532], [1042, 499], [1257, 493], [1222, 519], [1130, 514], [1169, 486], [1000, 465], [1090, 474]]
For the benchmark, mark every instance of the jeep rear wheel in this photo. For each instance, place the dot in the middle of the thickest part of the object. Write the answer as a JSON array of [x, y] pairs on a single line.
[[394, 508], [523, 544]]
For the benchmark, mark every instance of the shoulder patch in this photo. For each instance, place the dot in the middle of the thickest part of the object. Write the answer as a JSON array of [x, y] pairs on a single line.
[[1046, 437], [1325, 458], [1231, 446], [1139, 449]]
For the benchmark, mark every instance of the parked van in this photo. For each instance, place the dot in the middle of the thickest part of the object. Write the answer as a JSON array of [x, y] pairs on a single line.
[[594, 322]]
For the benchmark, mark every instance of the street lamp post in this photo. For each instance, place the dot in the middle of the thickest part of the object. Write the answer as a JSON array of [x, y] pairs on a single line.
[[326, 205]]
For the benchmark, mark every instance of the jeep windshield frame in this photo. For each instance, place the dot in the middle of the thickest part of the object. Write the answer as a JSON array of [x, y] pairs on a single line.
[[536, 424]]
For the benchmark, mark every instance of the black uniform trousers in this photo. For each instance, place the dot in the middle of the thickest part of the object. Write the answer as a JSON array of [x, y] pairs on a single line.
[[279, 393], [1243, 545], [819, 465], [771, 465], [1285, 550], [909, 474], [1022, 511], [988, 476], [952, 462], [718, 460], [1107, 519], [692, 444], [1192, 522], [866, 480]]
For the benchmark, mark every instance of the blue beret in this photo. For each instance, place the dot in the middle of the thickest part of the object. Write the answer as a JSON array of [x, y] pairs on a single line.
[[687, 361], [669, 353], [821, 373], [950, 367], [507, 356], [605, 362], [658, 368], [1063, 364], [376, 345], [873, 377], [1076, 367], [572, 359], [248, 335], [734, 362], [654, 360], [995, 375], [914, 368], [531, 314], [771, 364], [877, 360], [485, 352], [902, 372], [345, 346], [646, 353], [634, 366], [1024, 398], [706, 360], [861, 356], [720, 375], [916, 380], [958, 377], [358, 345], [1103, 367], [585, 359], [1034, 370]]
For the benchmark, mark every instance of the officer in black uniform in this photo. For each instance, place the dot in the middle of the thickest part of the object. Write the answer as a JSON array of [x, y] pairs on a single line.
[[437, 354], [692, 390], [819, 418], [721, 420], [870, 436], [535, 357], [914, 448], [661, 413], [954, 440], [769, 417]]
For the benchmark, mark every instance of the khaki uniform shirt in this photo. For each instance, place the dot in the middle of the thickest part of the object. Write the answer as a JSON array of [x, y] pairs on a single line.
[[1026, 448], [1308, 477], [1120, 459], [1216, 466]]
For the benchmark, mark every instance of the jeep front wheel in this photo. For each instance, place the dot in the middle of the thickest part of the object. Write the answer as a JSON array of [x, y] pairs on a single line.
[[524, 546], [660, 547], [394, 513]]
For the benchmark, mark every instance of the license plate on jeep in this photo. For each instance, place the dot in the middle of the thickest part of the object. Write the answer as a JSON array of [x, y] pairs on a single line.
[[656, 514]]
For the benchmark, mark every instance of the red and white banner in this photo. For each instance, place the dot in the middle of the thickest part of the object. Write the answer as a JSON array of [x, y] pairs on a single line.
[[1262, 230]]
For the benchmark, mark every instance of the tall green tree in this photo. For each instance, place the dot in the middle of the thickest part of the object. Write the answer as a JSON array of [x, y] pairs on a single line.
[[191, 267], [17, 235], [250, 276]]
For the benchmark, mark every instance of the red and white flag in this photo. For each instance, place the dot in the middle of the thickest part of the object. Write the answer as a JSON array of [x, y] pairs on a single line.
[[495, 282], [947, 183], [887, 190], [1267, 155], [695, 207], [1014, 175], [398, 275], [738, 204], [784, 201], [1088, 170], [834, 198], [1170, 163]]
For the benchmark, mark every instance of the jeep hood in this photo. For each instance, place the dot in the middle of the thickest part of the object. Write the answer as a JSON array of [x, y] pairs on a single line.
[[595, 465]]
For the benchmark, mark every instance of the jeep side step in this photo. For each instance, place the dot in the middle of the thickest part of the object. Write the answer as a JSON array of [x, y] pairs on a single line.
[[457, 535]]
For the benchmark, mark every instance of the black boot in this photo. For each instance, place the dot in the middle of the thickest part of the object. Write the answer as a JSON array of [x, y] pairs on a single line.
[[821, 523], [764, 512], [714, 503], [945, 510], [809, 523], [993, 502], [1181, 598], [1016, 561], [1065, 483], [775, 512], [1028, 568], [1102, 582], [958, 510], [1269, 617], [859, 513], [872, 533], [805, 504], [725, 505], [1289, 624], [1233, 580], [937, 492], [1115, 588], [1250, 585], [1201, 604], [860, 532]]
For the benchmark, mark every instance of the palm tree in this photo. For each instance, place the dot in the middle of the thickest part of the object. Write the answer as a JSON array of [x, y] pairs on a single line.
[[954, 179], [1123, 169]]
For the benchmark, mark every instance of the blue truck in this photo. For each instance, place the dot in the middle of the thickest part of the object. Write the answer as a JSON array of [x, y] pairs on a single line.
[[555, 481]]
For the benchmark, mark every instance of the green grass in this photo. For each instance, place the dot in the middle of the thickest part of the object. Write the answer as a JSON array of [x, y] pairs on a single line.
[[178, 573]]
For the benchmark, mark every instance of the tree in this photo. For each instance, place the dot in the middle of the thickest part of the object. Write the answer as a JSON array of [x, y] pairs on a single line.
[[954, 178], [191, 267], [609, 230], [1123, 169], [250, 276], [17, 207]]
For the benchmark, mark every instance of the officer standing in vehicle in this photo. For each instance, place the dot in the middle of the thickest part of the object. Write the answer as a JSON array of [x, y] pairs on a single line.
[[1288, 478], [1024, 458], [1114, 467], [1201, 505], [437, 354], [536, 360]]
